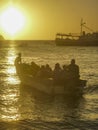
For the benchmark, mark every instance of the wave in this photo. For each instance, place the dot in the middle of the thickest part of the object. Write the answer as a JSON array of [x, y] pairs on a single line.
[[68, 123], [92, 89]]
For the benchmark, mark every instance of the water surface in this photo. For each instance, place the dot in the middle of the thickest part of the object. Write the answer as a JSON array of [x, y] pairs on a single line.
[[23, 109]]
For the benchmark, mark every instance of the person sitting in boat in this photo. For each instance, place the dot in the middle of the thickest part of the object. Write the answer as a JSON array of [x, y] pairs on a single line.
[[34, 68], [48, 71], [57, 74], [73, 70], [41, 73], [18, 59], [64, 75]]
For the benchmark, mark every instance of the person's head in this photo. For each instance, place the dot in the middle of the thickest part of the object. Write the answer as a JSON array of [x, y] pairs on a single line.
[[47, 65], [57, 65], [19, 54], [32, 63], [42, 67], [73, 61], [64, 67]]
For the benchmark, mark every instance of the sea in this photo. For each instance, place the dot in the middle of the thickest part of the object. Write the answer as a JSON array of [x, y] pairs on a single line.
[[22, 109]]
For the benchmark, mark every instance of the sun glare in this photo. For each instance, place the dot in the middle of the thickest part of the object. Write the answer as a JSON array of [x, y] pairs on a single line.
[[12, 21]]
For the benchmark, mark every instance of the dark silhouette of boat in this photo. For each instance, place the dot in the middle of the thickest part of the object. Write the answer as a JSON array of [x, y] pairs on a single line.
[[46, 86], [82, 39]]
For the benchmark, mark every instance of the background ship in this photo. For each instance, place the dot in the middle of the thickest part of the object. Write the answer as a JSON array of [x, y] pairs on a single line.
[[82, 39]]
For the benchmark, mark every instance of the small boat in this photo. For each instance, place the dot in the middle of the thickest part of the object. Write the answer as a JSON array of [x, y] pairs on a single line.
[[82, 39], [47, 86]]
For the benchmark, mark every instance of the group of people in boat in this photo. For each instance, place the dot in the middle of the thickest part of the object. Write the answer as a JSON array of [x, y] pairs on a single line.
[[60, 75]]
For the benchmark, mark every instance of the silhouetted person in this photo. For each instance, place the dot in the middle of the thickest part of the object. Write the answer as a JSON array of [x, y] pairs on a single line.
[[17, 63], [65, 75], [57, 74], [34, 68], [18, 59], [48, 71], [73, 70], [42, 72]]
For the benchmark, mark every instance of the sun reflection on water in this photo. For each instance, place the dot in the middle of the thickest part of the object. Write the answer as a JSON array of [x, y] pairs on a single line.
[[11, 59], [9, 110], [11, 70], [10, 114], [12, 80]]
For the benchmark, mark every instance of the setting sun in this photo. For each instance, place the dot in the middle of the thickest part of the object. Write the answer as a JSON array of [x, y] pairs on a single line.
[[12, 21]]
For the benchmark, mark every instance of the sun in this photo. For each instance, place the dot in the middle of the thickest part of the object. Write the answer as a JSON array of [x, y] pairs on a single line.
[[12, 21]]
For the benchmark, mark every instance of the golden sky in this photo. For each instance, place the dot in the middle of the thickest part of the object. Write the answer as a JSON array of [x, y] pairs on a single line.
[[44, 18]]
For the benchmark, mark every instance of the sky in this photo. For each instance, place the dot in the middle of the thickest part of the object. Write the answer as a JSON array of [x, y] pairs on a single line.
[[45, 18]]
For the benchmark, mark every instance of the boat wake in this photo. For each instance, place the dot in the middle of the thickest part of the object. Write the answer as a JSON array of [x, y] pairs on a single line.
[[91, 89]]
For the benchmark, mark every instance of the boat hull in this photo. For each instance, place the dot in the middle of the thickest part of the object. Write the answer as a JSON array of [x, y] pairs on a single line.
[[63, 42], [47, 87]]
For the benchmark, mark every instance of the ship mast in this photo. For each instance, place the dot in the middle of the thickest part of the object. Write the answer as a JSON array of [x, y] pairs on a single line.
[[82, 24]]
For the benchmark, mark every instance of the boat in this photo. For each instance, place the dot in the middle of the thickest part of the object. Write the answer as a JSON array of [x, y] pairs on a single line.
[[82, 39], [47, 86]]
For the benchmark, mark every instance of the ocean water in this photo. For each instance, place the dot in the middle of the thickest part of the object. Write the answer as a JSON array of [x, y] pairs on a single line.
[[22, 109]]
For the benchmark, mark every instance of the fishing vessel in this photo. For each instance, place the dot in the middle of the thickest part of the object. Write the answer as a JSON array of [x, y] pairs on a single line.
[[82, 39]]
